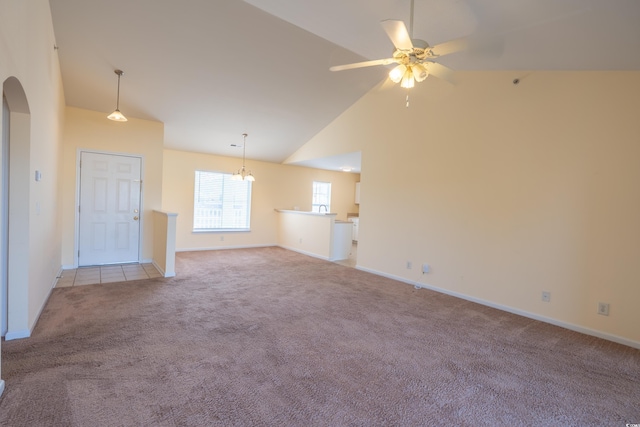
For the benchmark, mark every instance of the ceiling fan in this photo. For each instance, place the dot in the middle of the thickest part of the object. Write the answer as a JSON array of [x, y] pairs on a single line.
[[413, 56]]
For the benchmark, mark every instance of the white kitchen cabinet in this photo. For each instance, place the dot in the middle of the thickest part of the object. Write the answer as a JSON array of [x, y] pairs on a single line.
[[341, 241], [354, 230], [357, 193]]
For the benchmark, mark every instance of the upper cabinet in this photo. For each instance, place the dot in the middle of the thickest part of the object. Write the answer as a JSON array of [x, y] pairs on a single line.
[[357, 193]]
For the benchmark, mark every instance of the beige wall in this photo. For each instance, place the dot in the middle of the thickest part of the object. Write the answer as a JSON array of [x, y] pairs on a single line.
[[506, 191], [92, 131], [164, 242], [310, 234], [27, 56], [276, 186]]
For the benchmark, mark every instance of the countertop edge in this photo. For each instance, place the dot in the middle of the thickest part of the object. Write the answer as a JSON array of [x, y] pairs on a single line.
[[330, 214]]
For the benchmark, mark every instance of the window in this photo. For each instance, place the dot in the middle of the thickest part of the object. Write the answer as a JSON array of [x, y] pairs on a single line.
[[321, 201], [221, 204]]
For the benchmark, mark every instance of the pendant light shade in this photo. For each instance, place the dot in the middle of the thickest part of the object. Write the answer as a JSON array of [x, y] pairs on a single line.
[[396, 74], [241, 174], [117, 116], [408, 74], [407, 80], [419, 72]]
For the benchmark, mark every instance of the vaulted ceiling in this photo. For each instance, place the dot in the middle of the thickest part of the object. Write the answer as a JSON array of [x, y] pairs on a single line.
[[212, 70]]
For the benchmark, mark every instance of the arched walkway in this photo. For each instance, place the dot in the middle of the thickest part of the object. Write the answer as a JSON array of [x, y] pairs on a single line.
[[14, 210]]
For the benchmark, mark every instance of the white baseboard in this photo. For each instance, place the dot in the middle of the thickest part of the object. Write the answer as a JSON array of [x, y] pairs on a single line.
[[16, 335], [566, 325], [305, 252], [26, 333], [161, 270], [219, 248]]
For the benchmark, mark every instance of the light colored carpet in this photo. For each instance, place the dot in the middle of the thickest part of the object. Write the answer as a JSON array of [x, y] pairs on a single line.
[[269, 337]]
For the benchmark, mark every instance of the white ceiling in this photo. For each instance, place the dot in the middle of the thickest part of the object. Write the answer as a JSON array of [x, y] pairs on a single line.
[[212, 70]]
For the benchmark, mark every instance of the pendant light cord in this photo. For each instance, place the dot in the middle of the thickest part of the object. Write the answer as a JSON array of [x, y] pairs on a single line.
[[244, 148], [118, 95]]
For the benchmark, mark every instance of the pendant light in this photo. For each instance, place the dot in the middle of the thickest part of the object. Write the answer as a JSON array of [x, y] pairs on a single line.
[[241, 174], [117, 116]]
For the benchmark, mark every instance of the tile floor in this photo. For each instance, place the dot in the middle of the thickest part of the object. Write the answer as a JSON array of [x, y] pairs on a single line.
[[353, 257], [125, 272], [106, 274]]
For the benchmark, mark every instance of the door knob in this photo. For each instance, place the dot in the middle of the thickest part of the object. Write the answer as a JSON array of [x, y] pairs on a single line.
[[135, 218]]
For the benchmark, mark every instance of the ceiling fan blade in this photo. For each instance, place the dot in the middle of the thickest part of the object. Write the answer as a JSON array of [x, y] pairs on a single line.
[[385, 61], [439, 71], [397, 32], [478, 45], [452, 46]]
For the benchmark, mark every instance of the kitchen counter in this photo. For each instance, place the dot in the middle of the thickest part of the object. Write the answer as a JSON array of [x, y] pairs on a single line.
[[306, 212], [316, 234]]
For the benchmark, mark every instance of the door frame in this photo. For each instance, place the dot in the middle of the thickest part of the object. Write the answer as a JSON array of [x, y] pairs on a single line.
[[76, 243], [4, 218]]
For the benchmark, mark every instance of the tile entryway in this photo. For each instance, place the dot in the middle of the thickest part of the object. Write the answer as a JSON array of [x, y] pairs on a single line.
[[106, 274], [353, 257]]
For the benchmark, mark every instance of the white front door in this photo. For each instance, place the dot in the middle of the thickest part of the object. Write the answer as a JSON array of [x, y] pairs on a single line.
[[109, 212]]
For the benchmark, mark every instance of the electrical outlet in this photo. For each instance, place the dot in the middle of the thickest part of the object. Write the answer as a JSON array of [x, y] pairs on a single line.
[[546, 296], [426, 268], [409, 265], [603, 308]]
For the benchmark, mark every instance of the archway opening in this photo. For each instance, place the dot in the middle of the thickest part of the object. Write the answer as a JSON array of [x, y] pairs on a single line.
[[14, 210]]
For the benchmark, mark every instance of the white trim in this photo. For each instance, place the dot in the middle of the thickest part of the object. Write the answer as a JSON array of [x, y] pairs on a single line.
[[55, 279], [161, 270], [4, 218], [26, 333], [566, 325], [216, 248], [305, 253], [16, 335], [1, 387]]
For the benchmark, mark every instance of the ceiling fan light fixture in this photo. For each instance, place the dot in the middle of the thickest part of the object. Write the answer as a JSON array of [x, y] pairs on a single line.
[[117, 116], [407, 80], [396, 74], [420, 72]]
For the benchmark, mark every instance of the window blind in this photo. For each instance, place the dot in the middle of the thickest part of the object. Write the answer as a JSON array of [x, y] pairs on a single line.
[[221, 204]]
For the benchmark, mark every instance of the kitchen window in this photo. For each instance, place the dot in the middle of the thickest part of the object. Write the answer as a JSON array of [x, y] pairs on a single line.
[[321, 201], [220, 203]]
